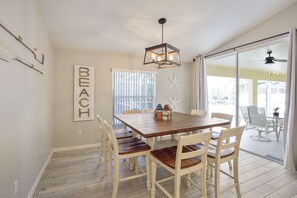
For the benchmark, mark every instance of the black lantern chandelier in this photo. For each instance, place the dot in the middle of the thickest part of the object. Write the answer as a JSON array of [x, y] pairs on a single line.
[[162, 55]]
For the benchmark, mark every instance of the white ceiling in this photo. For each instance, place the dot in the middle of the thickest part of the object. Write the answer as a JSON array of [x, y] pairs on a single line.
[[128, 26]]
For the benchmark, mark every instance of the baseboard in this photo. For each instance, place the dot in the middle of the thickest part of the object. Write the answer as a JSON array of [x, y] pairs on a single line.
[[39, 175], [69, 148]]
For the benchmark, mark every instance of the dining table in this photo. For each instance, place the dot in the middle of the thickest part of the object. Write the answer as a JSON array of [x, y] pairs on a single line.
[[147, 126]]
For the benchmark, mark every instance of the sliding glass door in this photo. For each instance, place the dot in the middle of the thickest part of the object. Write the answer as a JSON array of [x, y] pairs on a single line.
[[255, 77], [263, 84], [221, 82]]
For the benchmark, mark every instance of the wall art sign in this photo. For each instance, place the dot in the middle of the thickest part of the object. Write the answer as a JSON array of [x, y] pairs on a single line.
[[83, 93]]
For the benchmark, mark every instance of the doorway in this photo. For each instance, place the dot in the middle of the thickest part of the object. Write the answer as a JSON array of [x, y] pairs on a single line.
[[248, 78]]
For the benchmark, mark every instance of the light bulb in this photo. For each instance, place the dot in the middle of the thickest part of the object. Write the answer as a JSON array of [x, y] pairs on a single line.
[[153, 56], [159, 58], [170, 57]]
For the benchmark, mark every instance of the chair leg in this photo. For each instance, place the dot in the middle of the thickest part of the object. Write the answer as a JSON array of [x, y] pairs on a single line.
[[148, 172], [102, 150], [229, 163], [208, 170], [109, 163], [115, 178], [100, 154], [154, 172], [104, 163], [135, 161], [131, 163], [217, 181], [236, 177], [188, 180], [177, 186], [203, 182]]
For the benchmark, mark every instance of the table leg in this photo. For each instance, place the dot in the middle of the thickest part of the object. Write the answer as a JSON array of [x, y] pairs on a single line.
[[151, 143], [277, 130]]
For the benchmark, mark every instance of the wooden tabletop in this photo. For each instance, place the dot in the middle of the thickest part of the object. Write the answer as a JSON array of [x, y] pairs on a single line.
[[147, 126]]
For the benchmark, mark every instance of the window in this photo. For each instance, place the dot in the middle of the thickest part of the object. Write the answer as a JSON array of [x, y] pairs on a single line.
[[221, 91], [132, 90], [271, 94]]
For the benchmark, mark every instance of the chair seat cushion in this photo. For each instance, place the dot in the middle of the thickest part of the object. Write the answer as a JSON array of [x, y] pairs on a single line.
[[122, 133], [224, 153], [215, 135], [212, 150], [132, 145], [168, 156]]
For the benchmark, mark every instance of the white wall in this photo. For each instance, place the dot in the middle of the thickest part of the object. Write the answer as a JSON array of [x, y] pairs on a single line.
[[279, 23], [65, 129], [25, 100]]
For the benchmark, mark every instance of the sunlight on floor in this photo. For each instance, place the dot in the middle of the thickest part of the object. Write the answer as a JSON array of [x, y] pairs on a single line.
[[272, 149]]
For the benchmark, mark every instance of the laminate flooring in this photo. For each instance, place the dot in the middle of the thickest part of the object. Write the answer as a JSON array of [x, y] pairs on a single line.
[[76, 174]]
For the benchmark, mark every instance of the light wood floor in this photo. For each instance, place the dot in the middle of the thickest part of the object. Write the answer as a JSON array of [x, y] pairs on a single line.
[[77, 174]]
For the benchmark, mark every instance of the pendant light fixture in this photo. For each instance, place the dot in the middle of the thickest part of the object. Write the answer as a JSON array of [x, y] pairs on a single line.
[[163, 55]]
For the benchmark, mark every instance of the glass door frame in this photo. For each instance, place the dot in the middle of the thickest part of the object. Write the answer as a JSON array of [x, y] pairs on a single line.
[[235, 52]]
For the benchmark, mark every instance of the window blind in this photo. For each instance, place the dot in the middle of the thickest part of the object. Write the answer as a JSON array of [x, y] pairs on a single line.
[[132, 90]]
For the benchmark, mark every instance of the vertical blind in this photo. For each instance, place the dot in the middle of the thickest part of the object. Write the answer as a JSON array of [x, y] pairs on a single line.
[[132, 90]]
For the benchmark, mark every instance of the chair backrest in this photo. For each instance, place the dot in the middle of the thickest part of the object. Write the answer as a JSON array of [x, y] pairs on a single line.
[[102, 131], [131, 111], [232, 134], [198, 112], [194, 139], [245, 114], [223, 116], [257, 116], [112, 140], [149, 110]]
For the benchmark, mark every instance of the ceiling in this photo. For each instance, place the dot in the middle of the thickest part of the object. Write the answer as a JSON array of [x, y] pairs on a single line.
[[128, 26]]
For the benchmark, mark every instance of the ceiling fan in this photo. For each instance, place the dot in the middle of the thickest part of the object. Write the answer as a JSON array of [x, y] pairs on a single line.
[[270, 59]]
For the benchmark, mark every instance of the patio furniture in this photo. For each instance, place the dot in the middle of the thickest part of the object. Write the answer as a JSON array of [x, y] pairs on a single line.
[[259, 120], [246, 118], [278, 125]]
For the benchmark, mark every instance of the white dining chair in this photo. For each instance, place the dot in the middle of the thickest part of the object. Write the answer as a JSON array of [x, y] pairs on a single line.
[[126, 148], [225, 151], [180, 160], [120, 134]]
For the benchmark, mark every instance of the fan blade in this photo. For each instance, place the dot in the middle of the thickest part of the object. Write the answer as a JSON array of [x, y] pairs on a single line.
[[281, 60]]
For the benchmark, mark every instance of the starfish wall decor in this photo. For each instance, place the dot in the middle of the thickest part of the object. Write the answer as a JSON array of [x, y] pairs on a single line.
[[174, 101], [174, 81]]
